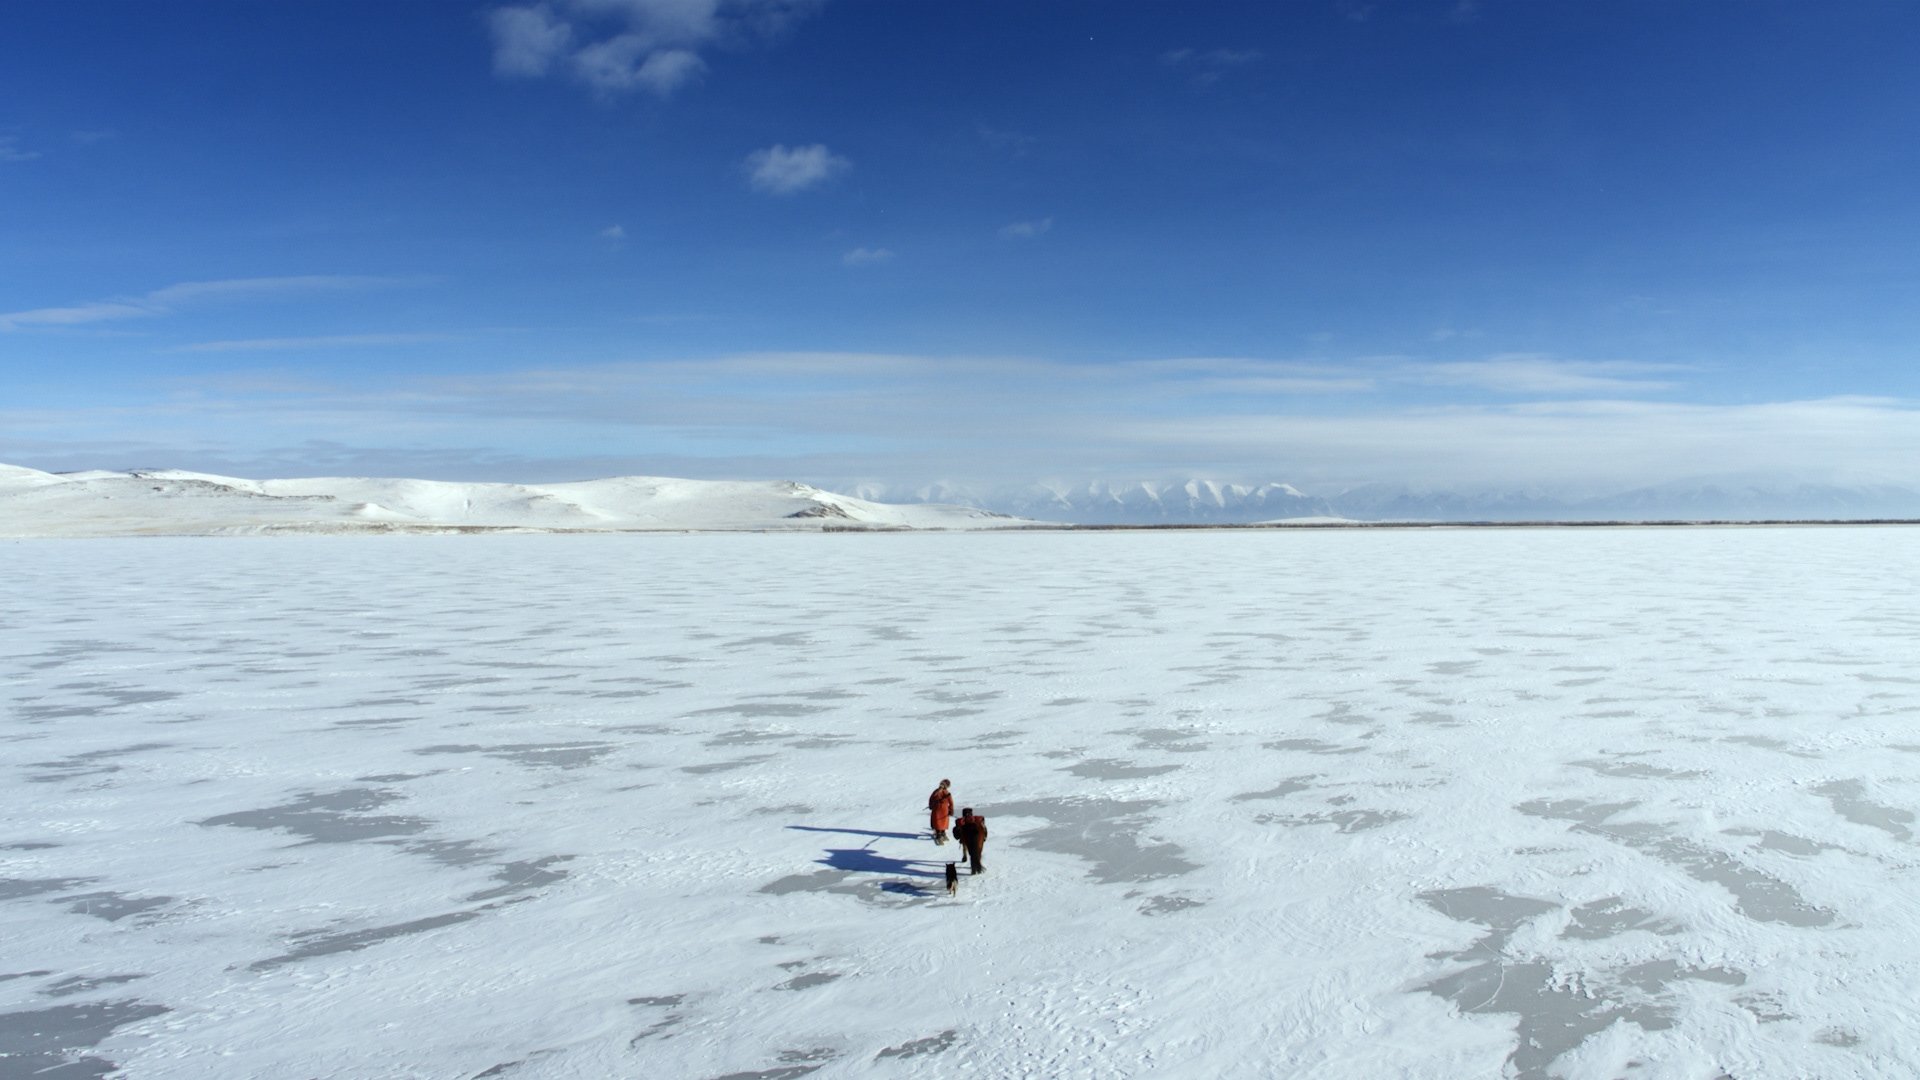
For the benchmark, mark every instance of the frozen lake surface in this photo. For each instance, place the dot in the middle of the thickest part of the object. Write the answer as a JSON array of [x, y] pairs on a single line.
[[1582, 803]]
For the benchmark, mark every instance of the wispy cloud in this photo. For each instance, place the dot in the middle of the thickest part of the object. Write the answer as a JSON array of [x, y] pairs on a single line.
[[1584, 445], [1320, 424], [1012, 143], [1210, 57], [867, 256], [779, 170], [613, 234], [11, 150], [629, 62], [617, 46], [527, 40], [1527, 374], [325, 341], [166, 300], [1026, 230], [1209, 65]]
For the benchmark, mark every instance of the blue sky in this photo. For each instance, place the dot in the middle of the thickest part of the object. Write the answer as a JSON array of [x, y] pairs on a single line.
[[1547, 243]]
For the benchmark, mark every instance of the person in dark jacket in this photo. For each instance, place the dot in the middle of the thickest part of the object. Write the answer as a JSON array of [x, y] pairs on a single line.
[[971, 831], [939, 809]]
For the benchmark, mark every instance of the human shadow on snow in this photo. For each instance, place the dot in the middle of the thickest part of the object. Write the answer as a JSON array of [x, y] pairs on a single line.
[[863, 861], [862, 832]]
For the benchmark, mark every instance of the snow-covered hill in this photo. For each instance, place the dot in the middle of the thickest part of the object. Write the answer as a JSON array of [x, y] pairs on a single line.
[[175, 503]]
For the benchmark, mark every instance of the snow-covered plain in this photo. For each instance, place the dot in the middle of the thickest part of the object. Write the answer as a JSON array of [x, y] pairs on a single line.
[[1582, 803]]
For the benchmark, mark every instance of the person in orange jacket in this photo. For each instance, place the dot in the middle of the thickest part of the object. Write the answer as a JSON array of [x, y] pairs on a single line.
[[940, 808], [971, 831]]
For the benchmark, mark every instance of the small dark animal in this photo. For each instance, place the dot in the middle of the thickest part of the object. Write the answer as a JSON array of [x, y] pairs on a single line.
[[953, 879]]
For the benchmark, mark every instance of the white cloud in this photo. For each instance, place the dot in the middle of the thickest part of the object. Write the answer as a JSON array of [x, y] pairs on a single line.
[[1209, 65], [527, 40], [10, 150], [910, 417], [629, 62], [614, 233], [664, 21], [1210, 57], [272, 286], [1583, 445], [1026, 230], [612, 64], [327, 341], [779, 170], [165, 300], [1533, 374], [664, 72], [76, 314], [628, 45], [867, 256], [1013, 143]]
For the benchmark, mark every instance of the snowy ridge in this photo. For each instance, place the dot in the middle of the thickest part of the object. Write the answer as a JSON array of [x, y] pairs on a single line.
[[173, 502]]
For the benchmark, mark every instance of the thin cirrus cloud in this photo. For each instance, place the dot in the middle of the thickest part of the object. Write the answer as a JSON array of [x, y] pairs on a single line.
[[1026, 230], [783, 170], [11, 150], [1215, 58], [1007, 141], [988, 418], [1601, 444], [1208, 66], [1528, 373], [618, 46], [861, 256], [167, 300], [324, 341]]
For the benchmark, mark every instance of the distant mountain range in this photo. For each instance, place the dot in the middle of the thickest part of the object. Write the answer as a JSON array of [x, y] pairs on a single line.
[[1200, 501], [1101, 502]]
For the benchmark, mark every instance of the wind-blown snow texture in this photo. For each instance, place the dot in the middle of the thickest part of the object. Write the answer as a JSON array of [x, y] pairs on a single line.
[[1592, 803]]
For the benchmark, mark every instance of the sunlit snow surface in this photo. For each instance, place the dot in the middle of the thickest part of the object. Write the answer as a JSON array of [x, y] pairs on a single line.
[[1590, 803]]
